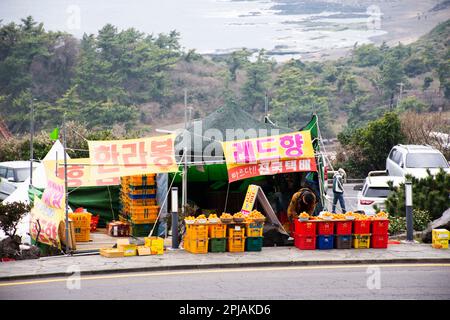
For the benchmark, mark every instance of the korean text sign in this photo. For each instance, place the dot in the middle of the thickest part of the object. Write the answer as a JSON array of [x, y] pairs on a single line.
[[291, 152], [54, 194], [132, 157], [49, 219]]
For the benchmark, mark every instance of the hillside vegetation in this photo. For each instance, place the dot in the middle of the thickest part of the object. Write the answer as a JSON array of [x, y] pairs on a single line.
[[137, 80]]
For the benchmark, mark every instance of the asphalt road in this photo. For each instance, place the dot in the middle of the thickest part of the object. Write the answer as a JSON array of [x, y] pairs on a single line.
[[413, 281], [350, 196]]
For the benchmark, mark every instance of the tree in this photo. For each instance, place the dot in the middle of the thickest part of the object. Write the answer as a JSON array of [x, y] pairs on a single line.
[[367, 55], [412, 104], [429, 194], [237, 59], [368, 147], [392, 73], [255, 88], [427, 81]]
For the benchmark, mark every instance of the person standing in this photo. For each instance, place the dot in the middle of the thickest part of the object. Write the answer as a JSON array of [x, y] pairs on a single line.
[[338, 189]]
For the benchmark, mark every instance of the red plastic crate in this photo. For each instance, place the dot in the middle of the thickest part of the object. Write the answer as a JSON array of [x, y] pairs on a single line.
[[380, 227], [326, 228], [361, 227], [305, 243], [344, 227], [379, 241], [305, 228], [94, 223]]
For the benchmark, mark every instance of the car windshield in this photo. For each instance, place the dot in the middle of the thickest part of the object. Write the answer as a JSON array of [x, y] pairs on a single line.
[[22, 174], [425, 160], [373, 192]]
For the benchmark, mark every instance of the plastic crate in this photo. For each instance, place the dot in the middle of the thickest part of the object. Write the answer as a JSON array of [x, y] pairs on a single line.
[[148, 179], [137, 202], [344, 227], [143, 230], [82, 234], [325, 242], [253, 243], [141, 196], [194, 231], [343, 242], [218, 230], [361, 241], [94, 222], [255, 229], [305, 228], [136, 192], [217, 245], [236, 231], [236, 244], [440, 234], [361, 227], [325, 228], [379, 241], [118, 229], [380, 227], [81, 219], [129, 250], [196, 245], [305, 242]]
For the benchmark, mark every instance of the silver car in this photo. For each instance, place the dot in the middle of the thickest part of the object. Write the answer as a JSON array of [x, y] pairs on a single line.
[[415, 160], [12, 173]]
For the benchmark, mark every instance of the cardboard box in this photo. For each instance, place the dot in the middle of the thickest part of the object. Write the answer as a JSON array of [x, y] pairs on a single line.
[[129, 250], [111, 253], [121, 243], [144, 251], [118, 229]]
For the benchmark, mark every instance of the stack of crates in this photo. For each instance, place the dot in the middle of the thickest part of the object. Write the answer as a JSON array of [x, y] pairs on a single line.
[[217, 233], [138, 203], [361, 234], [325, 238], [343, 239], [254, 239], [236, 238], [196, 238], [440, 238], [305, 235], [82, 225], [380, 234]]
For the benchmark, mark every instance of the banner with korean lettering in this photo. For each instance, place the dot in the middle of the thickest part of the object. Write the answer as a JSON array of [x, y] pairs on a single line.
[[54, 194], [291, 152], [45, 220], [132, 157], [78, 173]]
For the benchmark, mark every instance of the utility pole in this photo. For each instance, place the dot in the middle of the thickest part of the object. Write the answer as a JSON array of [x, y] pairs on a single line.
[[31, 141], [184, 187], [401, 93], [266, 105], [66, 206]]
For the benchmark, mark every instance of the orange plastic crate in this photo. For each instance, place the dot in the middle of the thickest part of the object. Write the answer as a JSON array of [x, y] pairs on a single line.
[[195, 232], [236, 231], [217, 230], [81, 219], [196, 245], [82, 234], [236, 244]]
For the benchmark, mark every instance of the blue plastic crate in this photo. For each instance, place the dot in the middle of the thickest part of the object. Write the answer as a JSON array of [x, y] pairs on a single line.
[[142, 196], [325, 242]]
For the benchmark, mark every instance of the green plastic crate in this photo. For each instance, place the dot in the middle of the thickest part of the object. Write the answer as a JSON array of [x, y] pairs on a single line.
[[143, 230], [253, 244], [217, 245]]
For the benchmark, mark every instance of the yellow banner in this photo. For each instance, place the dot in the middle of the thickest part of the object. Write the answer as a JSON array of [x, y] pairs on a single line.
[[293, 145], [78, 173], [54, 194], [132, 157], [45, 221], [250, 198]]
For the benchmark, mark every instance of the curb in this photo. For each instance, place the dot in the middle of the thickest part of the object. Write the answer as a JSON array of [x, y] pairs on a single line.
[[230, 266]]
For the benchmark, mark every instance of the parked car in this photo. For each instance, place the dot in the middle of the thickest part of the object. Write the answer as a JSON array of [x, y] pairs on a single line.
[[12, 173], [375, 192], [415, 160]]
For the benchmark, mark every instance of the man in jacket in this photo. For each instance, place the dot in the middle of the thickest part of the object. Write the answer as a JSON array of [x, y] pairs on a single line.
[[338, 190]]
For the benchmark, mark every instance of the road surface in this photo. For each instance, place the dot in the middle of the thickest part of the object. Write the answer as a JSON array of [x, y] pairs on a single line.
[[412, 281], [350, 196]]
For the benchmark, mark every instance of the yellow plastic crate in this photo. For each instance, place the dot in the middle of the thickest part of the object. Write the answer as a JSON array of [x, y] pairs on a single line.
[[129, 250], [217, 230], [440, 244], [196, 245], [81, 219], [255, 229], [111, 253], [137, 202], [82, 234], [440, 234], [361, 241], [141, 192], [236, 231], [197, 231], [236, 244]]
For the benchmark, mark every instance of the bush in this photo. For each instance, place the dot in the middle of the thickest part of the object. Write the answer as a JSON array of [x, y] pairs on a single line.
[[421, 219], [10, 215]]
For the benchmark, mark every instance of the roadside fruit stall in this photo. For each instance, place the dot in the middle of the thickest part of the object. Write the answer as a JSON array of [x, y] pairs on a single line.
[[341, 231]]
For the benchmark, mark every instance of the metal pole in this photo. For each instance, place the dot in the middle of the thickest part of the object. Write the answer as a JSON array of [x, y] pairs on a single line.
[[266, 105], [31, 142], [409, 211], [68, 246], [174, 208], [56, 164], [184, 180]]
